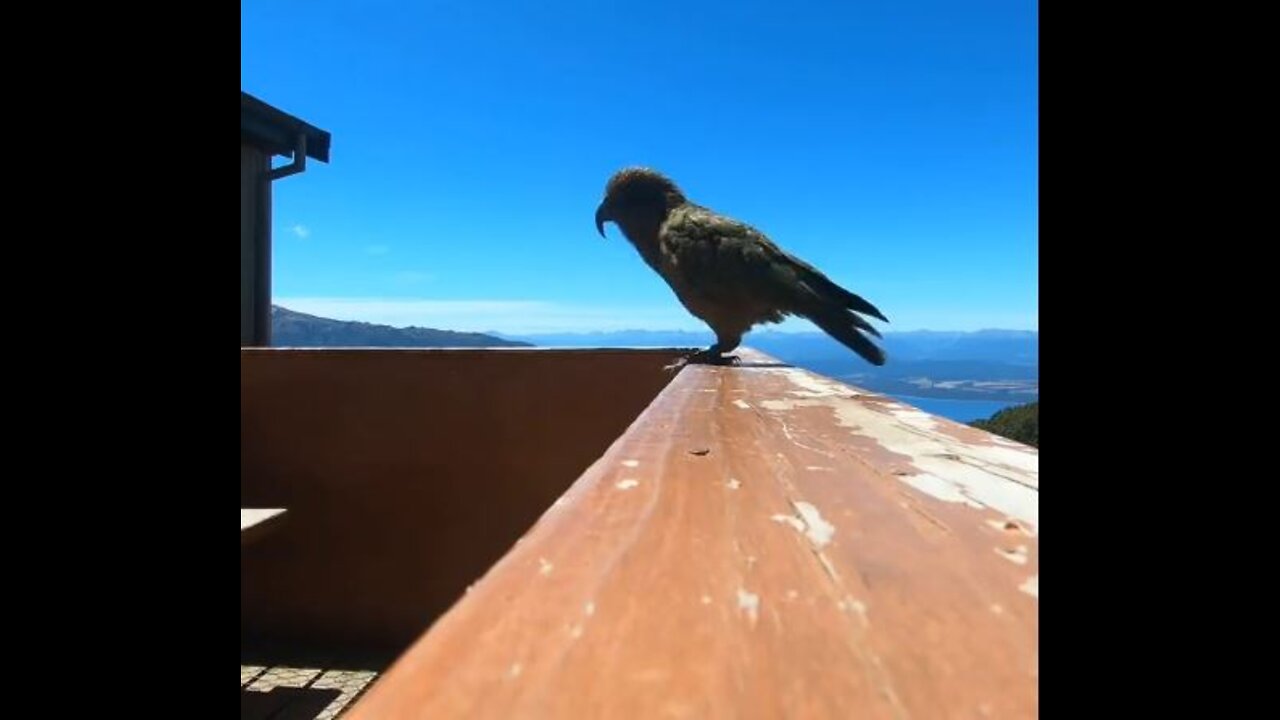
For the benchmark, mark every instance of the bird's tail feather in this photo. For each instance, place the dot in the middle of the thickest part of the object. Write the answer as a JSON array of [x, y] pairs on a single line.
[[846, 327], [823, 286]]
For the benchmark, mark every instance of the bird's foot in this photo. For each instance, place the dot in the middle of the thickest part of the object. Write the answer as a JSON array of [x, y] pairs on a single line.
[[728, 360], [704, 357]]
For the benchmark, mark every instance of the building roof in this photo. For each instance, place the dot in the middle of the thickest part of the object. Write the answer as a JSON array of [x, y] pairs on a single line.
[[276, 131]]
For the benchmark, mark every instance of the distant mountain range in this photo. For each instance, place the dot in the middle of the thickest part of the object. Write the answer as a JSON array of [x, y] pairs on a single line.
[[997, 365], [994, 365], [295, 329], [1013, 347]]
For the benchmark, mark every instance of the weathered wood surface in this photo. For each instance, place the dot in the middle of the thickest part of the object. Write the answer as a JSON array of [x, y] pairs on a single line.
[[255, 522], [763, 542]]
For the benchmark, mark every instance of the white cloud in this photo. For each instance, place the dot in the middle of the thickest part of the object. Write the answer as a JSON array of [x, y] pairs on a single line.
[[301, 231], [412, 277], [509, 316]]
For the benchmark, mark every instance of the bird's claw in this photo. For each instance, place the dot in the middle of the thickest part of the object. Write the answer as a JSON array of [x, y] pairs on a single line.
[[704, 357]]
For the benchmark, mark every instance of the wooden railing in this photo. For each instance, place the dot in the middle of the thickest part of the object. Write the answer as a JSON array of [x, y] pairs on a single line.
[[762, 542]]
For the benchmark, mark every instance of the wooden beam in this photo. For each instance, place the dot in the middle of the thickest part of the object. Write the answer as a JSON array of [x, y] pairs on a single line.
[[762, 542], [256, 522]]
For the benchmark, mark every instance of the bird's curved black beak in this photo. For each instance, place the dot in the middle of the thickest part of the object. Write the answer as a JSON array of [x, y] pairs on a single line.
[[602, 215]]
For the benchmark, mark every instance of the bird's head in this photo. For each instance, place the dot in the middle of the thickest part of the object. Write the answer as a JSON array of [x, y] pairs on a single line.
[[635, 194]]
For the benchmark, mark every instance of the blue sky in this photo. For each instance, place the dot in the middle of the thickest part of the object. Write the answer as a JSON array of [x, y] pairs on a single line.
[[893, 144]]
